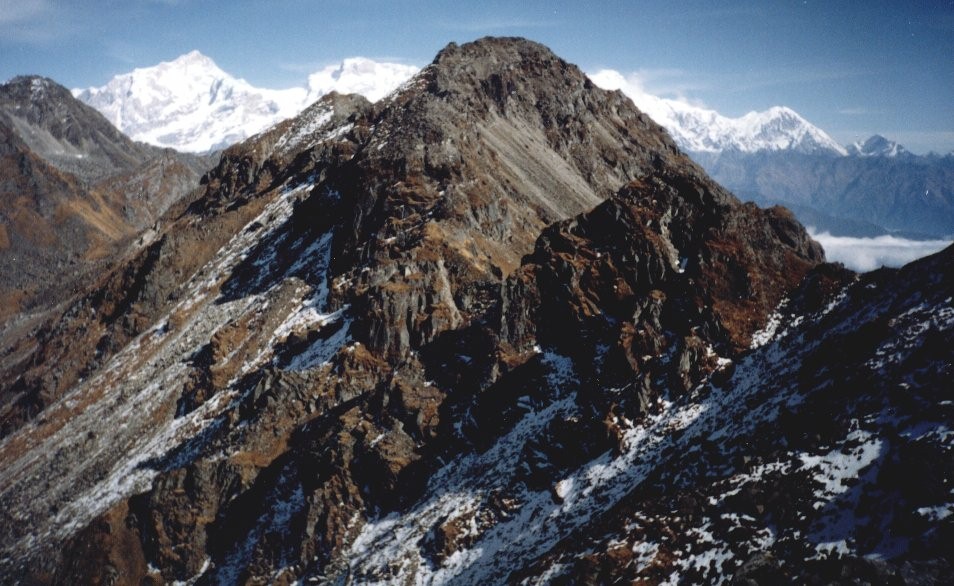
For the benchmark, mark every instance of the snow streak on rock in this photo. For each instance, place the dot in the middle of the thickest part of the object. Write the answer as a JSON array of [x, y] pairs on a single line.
[[140, 387], [393, 550]]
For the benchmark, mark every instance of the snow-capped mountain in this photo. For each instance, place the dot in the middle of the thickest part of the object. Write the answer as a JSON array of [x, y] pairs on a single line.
[[698, 129], [777, 157], [357, 75], [190, 104], [877, 146]]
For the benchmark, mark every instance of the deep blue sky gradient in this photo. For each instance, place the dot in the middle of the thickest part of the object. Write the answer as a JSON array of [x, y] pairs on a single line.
[[854, 68]]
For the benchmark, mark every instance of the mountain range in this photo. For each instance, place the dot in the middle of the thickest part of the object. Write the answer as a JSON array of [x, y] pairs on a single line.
[[870, 188], [700, 130], [773, 156], [169, 104], [495, 327], [191, 105], [859, 195]]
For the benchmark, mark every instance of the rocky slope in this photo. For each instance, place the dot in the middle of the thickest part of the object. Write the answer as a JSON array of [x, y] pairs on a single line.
[[72, 137], [75, 190], [439, 338]]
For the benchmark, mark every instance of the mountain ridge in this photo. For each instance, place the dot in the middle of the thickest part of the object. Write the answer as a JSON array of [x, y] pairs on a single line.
[[878, 146], [383, 275], [702, 130], [455, 336], [695, 129], [908, 194]]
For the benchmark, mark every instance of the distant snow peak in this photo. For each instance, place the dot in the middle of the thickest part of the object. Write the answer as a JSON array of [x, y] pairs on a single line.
[[699, 129], [877, 146], [190, 104], [357, 75]]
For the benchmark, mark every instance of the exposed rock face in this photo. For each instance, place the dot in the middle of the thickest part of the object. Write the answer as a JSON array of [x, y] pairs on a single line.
[[485, 147], [73, 137], [32, 194], [75, 192], [811, 478], [656, 280], [491, 304]]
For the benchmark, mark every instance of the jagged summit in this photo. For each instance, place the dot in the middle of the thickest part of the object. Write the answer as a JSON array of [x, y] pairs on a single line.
[[487, 139], [495, 53], [35, 85]]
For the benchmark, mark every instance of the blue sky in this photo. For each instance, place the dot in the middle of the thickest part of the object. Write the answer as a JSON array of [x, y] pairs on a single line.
[[853, 68]]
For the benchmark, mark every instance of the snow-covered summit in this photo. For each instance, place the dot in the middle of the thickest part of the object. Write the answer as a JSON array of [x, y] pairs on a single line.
[[700, 129], [357, 75], [190, 104], [877, 146]]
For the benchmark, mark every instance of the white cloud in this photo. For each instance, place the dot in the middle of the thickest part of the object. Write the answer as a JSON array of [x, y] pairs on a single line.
[[651, 84], [868, 254], [662, 110], [372, 79]]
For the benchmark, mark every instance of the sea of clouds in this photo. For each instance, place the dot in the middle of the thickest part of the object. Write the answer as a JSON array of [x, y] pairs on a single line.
[[868, 254]]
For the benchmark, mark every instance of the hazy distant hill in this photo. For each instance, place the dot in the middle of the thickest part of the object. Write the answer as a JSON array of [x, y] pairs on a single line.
[[906, 193]]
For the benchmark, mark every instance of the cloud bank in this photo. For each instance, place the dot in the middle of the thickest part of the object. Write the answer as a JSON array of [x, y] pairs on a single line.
[[868, 254]]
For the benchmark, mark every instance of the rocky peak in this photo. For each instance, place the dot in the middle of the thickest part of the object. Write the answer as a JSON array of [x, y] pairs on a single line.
[[472, 158], [32, 89], [66, 132], [503, 67]]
